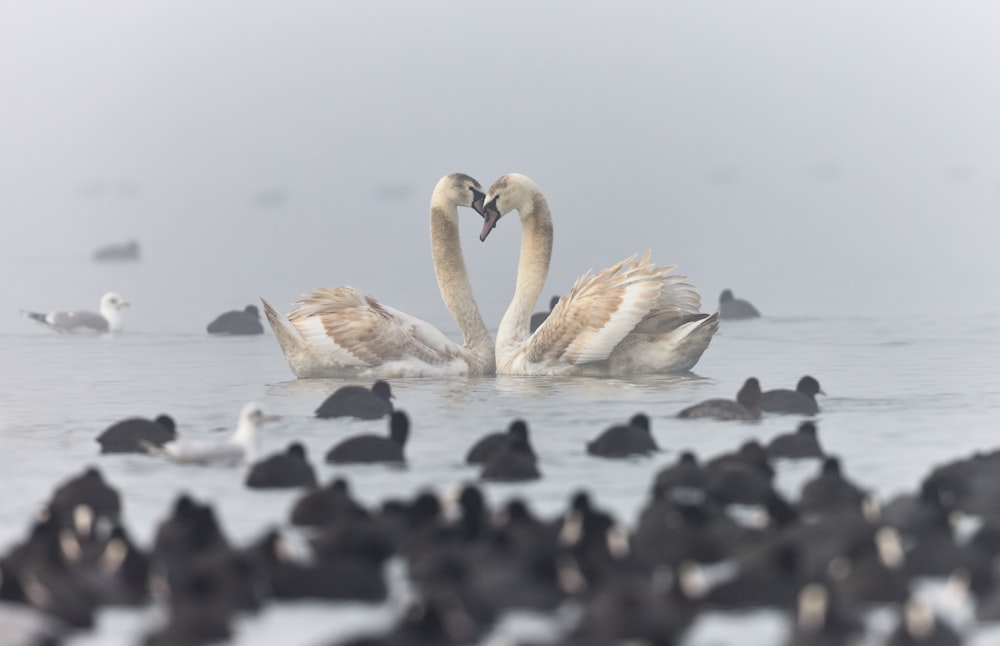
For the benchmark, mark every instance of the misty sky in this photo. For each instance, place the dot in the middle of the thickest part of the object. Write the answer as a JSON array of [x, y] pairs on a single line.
[[817, 158]]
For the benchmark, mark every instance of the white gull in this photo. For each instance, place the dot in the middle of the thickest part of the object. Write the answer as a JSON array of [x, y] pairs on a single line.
[[239, 448], [108, 320]]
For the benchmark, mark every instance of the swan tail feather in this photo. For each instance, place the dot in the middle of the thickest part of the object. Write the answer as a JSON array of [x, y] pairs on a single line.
[[708, 325], [289, 339], [697, 337]]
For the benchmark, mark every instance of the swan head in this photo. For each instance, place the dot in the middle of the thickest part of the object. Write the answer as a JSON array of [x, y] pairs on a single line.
[[459, 189], [510, 192]]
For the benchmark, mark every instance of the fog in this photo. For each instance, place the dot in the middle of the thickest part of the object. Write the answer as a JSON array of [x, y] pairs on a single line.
[[817, 158]]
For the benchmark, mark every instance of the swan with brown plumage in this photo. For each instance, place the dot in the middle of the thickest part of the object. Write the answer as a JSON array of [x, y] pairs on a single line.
[[344, 332], [632, 318]]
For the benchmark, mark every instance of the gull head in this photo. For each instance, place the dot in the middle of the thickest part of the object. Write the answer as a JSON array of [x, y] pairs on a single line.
[[253, 415], [112, 301]]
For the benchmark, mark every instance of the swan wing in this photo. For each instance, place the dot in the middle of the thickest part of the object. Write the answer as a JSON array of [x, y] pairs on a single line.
[[599, 311], [676, 295], [354, 329], [426, 334]]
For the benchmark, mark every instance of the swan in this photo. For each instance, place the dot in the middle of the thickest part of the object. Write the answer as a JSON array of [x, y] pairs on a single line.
[[631, 318], [343, 332]]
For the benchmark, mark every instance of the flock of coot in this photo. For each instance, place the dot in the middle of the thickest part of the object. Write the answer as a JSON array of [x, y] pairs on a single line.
[[714, 535]]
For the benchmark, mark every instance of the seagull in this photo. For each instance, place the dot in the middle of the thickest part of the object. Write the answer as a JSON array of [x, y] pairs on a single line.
[[109, 319], [238, 448]]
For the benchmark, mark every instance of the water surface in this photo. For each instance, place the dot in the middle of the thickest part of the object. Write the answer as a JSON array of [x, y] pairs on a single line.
[[903, 394]]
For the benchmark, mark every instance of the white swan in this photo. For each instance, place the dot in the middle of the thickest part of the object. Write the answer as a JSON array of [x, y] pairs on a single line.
[[631, 318], [343, 332]]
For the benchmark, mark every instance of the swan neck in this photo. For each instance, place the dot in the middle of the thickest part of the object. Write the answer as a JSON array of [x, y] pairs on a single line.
[[456, 289], [532, 270]]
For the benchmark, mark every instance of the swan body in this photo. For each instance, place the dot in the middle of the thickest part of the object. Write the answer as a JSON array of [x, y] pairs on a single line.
[[634, 317], [344, 332]]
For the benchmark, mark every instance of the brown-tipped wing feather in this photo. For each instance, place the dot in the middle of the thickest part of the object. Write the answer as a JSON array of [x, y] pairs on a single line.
[[601, 309], [355, 330]]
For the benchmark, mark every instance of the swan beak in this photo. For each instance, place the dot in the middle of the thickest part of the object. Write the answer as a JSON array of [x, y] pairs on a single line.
[[479, 202], [490, 217], [270, 418], [123, 304]]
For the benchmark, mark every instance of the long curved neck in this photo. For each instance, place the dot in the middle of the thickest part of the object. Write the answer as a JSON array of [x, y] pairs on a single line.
[[532, 269], [456, 289]]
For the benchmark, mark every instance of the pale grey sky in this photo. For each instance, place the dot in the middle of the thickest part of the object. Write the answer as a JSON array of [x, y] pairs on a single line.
[[814, 157]]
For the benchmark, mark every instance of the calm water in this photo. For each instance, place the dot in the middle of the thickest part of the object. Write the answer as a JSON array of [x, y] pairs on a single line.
[[903, 394]]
